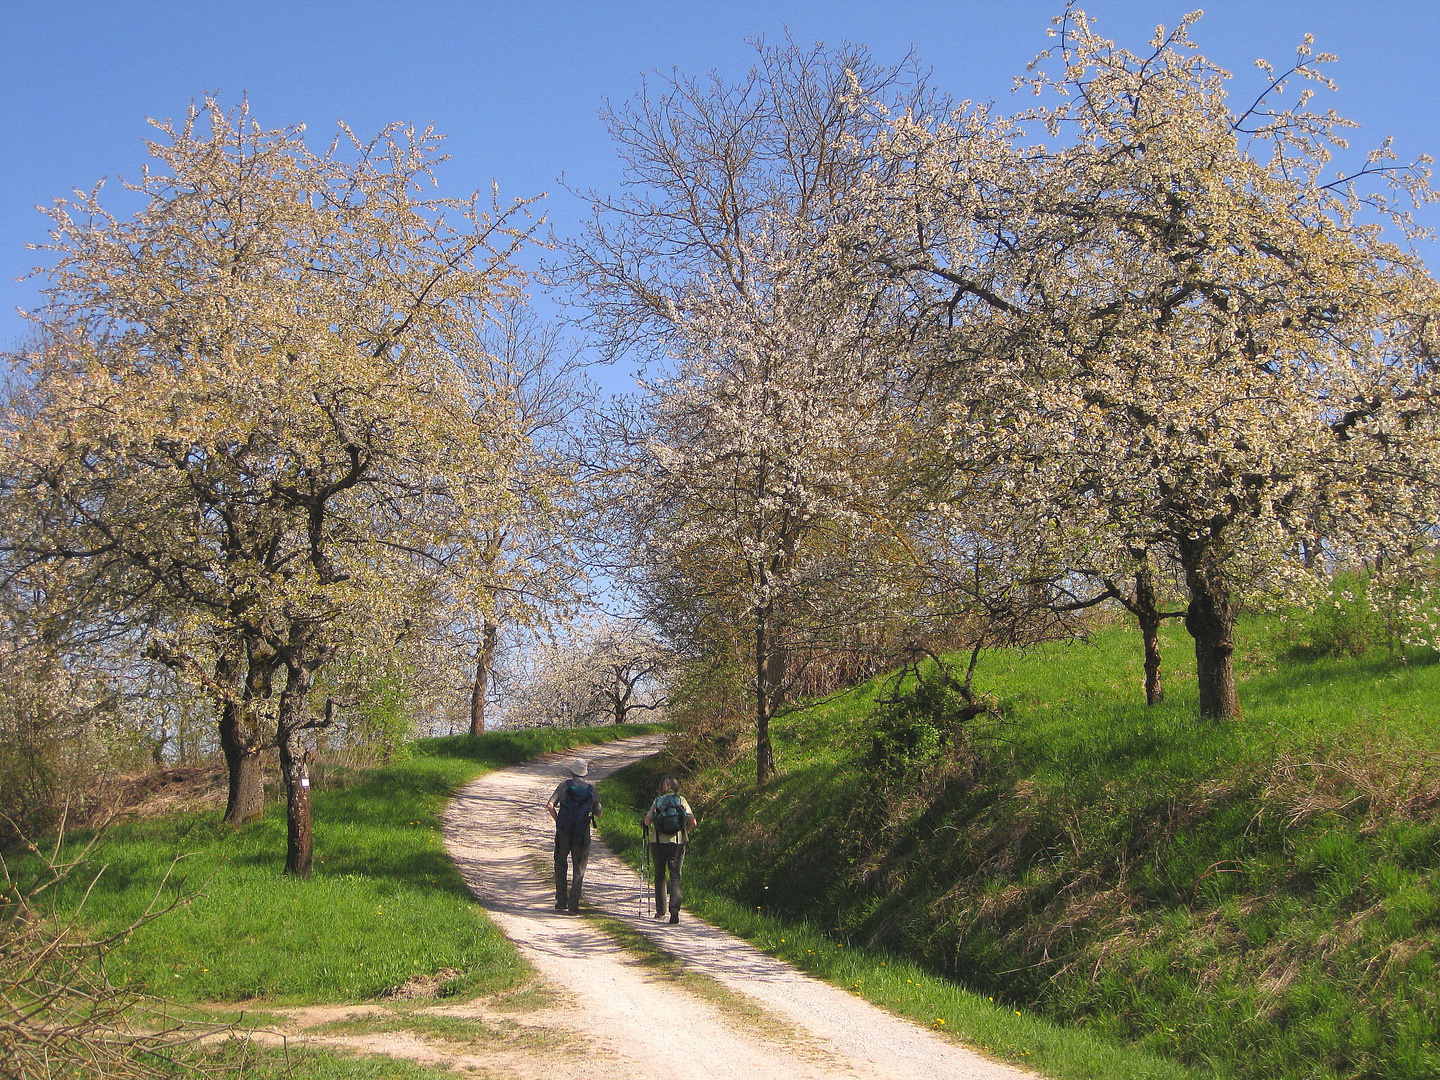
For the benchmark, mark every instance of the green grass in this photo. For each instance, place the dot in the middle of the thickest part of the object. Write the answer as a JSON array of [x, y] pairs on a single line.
[[457, 1030], [1258, 898], [890, 981], [385, 902], [304, 1063]]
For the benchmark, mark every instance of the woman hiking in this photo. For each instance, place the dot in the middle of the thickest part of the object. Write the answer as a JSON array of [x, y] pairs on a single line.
[[673, 819]]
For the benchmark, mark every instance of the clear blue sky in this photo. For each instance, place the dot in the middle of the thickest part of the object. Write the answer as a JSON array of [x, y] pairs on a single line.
[[517, 86]]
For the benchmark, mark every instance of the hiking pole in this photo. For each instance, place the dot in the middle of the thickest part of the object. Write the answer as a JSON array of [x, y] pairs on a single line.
[[644, 868]]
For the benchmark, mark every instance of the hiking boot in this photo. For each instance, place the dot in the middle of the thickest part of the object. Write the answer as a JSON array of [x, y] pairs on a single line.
[[659, 916], [674, 917], [572, 911]]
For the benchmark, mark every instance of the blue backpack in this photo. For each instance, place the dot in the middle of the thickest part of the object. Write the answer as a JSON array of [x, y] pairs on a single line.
[[577, 804], [669, 816]]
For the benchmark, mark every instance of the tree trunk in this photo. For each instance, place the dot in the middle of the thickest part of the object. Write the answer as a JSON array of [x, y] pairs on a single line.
[[294, 767], [1147, 613], [1210, 618], [765, 699], [185, 736], [241, 745], [246, 799], [164, 739], [621, 692], [484, 661], [764, 751], [299, 840]]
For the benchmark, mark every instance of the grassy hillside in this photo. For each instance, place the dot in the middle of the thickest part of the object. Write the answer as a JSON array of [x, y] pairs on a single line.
[[1259, 897]]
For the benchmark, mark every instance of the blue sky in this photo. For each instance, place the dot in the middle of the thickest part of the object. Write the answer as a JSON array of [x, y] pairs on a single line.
[[517, 86]]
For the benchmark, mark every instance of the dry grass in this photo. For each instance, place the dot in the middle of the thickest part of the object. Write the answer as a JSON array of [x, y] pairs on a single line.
[[1373, 785], [163, 792]]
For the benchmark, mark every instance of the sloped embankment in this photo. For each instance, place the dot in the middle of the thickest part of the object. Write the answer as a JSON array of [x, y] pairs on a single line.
[[1263, 898]]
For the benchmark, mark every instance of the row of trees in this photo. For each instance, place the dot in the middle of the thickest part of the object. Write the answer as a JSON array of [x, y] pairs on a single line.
[[923, 383], [935, 381], [605, 672]]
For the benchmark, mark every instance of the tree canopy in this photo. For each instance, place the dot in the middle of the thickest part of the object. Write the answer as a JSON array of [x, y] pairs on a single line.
[[260, 410]]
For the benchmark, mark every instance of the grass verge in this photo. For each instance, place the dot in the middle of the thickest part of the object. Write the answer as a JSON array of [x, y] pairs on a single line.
[[1259, 898], [456, 1030], [305, 1063]]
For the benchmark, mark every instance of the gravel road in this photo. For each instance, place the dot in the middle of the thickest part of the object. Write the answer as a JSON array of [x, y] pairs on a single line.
[[761, 1018]]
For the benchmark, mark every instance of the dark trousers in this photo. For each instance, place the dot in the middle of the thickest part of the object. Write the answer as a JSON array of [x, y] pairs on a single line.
[[577, 849], [667, 857]]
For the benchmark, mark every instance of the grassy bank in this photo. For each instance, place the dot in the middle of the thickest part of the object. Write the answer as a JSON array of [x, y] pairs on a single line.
[[385, 903], [1258, 898], [882, 976]]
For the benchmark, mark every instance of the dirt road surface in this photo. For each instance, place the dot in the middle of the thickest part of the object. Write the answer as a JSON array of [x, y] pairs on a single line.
[[737, 1015]]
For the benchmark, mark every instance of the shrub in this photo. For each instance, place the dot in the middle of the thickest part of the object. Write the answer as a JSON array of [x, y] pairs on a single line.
[[911, 729], [1347, 622], [710, 718]]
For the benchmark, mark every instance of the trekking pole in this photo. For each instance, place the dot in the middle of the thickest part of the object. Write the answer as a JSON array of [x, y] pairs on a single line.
[[644, 868]]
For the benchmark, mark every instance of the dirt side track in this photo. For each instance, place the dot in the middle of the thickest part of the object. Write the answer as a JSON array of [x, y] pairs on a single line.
[[766, 1019]]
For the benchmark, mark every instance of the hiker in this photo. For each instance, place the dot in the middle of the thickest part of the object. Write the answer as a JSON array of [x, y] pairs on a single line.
[[573, 806], [673, 819]]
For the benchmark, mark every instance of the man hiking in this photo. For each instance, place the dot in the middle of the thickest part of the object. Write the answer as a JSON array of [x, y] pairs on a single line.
[[573, 806], [673, 819]]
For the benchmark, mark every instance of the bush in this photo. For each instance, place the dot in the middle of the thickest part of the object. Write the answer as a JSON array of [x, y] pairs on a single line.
[[49, 775], [1347, 622], [708, 711], [912, 729], [1363, 614]]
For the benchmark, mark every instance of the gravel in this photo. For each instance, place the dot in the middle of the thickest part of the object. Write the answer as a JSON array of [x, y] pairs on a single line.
[[634, 1019]]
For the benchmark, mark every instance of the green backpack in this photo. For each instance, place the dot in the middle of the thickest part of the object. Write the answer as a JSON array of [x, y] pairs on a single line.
[[669, 816]]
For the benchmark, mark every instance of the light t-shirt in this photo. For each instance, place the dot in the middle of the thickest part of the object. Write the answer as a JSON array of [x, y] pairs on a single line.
[[670, 838]]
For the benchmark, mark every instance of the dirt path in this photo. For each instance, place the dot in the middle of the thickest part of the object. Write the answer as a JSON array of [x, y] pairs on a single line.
[[725, 1010]]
